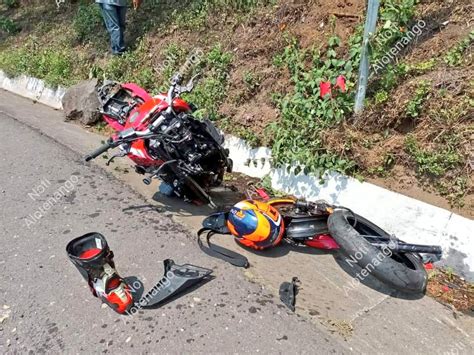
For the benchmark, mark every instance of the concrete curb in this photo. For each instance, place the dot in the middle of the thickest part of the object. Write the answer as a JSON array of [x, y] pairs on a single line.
[[410, 219], [34, 89]]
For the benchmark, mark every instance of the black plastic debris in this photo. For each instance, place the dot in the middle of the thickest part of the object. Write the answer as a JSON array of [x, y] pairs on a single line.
[[288, 292]]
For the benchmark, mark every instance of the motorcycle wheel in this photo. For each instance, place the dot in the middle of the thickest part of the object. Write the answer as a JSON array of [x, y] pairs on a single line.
[[402, 271]]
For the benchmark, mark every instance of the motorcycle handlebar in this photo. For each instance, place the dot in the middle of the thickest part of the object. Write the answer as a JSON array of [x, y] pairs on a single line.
[[101, 150]]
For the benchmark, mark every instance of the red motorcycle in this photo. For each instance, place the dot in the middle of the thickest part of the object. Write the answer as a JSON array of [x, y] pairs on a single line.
[[162, 137]]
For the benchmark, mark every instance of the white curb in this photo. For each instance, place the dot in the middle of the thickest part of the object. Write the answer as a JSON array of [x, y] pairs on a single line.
[[34, 89], [410, 219]]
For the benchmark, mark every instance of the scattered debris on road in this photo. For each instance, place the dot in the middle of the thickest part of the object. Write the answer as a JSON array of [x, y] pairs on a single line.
[[288, 292]]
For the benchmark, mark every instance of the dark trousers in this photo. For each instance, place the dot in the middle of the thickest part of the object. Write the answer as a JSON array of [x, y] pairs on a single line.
[[114, 18]]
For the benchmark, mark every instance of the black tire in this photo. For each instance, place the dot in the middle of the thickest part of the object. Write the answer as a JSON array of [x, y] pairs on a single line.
[[402, 271]]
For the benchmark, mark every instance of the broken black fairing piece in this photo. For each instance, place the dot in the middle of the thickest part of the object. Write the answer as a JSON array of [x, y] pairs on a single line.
[[288, 292], [176, 279]]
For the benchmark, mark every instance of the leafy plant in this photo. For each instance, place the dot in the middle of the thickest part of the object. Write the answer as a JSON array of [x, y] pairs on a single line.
[[304, 114], [248, 134], [251, 81], [414, 106], [388, 162], [173, 55], [195, 14], [432, 163], [131, 67], [381, 96], [455, 56], [212, 89], [52, 64], [7, 25], [266, 184], [422, 67]]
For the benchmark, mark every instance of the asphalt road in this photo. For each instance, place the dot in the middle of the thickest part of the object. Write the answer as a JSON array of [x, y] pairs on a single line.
[[45, 306]]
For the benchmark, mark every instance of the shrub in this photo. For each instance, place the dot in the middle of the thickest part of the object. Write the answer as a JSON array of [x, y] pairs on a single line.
[[88, 23], [8, 26]]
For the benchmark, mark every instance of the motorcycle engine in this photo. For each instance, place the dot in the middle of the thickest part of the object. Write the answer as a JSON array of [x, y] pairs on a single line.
[[184, 139]]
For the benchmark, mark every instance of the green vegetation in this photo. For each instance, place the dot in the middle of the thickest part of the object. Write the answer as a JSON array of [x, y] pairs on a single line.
[[246, 133], [381, 96], [435, 165], [53, 64], [305, 116], [7, 25], [297, 136], [388, 163], [212, 88], [415, 105], [10, 4], [432, 163], [422, 67], [195, 14], [251, 81], [455, 56], [88, 23]]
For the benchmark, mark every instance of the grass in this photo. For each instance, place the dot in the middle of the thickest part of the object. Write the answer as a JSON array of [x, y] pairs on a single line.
[[434, 162], [52, 64], [88, 23], [211, 91]]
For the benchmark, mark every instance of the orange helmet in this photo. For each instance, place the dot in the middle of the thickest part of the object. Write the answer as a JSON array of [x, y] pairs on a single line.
[[255, 224]]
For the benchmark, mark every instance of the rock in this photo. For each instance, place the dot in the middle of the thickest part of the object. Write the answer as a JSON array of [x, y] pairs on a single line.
[[81, 103]]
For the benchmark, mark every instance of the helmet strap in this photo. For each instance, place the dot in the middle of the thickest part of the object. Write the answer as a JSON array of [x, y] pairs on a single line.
[[219, 252]]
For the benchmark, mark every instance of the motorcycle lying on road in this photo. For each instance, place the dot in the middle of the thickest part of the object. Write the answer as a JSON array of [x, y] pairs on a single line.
[[163, 138], [258, 224]]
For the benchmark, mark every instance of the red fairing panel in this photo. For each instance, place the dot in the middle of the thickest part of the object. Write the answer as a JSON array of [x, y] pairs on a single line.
[[322, 241]]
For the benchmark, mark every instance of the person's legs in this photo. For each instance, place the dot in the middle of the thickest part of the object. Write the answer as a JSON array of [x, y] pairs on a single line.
[[122, 15], [114, 18]]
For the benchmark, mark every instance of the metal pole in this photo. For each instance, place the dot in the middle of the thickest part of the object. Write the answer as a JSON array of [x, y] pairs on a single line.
[[369, 30]]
